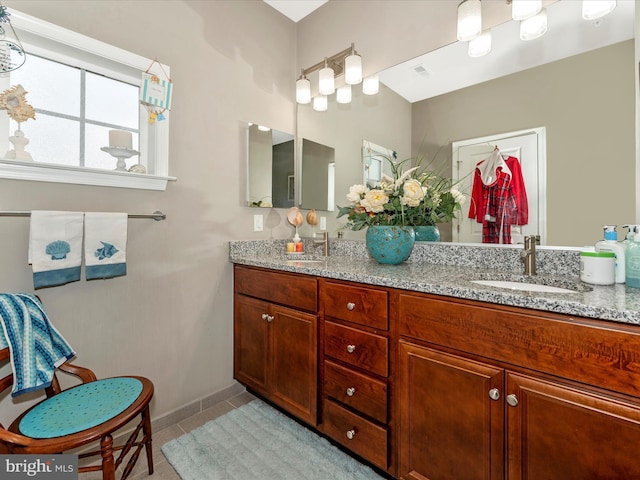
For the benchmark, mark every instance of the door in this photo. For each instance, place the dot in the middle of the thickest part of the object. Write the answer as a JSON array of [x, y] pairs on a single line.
[[251, 348], [451, 417], [558, 432], [529, 147]]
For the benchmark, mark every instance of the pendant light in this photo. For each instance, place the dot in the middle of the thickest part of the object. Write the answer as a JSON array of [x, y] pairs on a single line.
[[326, 80], [370, 85], [320, 103], [303, 90], [523, 9], [481, 45], [592, 9], [469, 20], [343, 94], [353, 68], [534, 27]]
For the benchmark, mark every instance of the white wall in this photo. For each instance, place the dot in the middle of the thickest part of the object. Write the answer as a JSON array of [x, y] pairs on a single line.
[[170, 318]]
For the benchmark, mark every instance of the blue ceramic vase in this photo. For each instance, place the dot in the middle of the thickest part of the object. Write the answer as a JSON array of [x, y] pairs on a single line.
[[427, 233], [390, 245]]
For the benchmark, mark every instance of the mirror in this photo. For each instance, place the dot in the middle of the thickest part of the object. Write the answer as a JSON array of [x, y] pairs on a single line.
[[586, 102], [318, 176], [270, 167]]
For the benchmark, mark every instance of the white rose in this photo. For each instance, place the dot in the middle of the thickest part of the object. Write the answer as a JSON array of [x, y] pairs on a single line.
[[356, 192], [458, 197], [374, 201], [413, 193]]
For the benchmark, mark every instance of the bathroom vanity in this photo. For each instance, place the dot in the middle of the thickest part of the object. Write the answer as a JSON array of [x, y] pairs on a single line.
[[427, 375]]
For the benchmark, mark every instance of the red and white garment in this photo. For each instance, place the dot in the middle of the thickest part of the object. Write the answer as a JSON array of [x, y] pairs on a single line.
[[498, 197]]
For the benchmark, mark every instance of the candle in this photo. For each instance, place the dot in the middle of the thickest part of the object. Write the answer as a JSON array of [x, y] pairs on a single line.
[[120, 139]]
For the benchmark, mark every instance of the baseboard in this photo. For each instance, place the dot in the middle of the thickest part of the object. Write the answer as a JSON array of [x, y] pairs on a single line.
[[197, 406]]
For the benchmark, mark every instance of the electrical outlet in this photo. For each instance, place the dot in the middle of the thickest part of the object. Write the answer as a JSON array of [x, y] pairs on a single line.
[[258, 226], [323, 223]]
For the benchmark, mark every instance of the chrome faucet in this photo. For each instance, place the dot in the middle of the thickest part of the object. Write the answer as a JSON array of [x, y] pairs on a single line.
[[324, 242], [528, 255]]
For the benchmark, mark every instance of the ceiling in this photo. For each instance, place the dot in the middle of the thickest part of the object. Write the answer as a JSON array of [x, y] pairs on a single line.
[[296, 10]]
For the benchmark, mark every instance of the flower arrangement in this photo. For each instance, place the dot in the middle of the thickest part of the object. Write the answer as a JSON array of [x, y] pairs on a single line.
[[412, 198]]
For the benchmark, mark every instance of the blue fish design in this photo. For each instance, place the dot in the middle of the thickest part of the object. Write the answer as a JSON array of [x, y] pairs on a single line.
[[107, 251]]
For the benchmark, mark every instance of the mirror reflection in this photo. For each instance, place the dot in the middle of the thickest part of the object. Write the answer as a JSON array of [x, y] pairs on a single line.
[[318, 176], [271, 180], [585, 102]]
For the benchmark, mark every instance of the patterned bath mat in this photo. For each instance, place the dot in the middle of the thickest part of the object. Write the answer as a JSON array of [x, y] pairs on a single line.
[[255, 441]]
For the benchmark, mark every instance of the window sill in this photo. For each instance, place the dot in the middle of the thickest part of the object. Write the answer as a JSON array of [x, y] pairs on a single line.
[[41, 172]]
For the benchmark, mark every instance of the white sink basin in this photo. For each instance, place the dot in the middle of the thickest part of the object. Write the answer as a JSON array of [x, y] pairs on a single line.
[[527, 287]]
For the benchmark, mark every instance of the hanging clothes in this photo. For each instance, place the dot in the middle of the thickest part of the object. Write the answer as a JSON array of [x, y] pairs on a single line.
[[498, 197]]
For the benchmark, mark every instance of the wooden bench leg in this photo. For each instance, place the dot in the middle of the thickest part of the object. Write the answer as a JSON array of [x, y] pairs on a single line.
[[108, 464]]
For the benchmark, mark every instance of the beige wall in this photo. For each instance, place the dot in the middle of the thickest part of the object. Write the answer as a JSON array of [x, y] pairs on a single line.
[[590, 134], [170, 318]]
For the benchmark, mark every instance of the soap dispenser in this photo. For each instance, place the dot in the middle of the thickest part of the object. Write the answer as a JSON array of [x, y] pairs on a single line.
[[610, 244], [631, 232], [632, 262]]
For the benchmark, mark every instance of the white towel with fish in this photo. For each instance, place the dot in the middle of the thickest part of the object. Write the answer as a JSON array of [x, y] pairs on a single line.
[[55, 247], [105, 244]]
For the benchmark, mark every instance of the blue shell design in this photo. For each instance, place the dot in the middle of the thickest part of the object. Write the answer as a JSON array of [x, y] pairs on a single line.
[[107, 251], [58, 250]]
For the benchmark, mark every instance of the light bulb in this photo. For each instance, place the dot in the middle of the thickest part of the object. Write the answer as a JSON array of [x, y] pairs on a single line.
[[469, 20], [370, 85], [343, 94], [353, 69], [523, 9], [481, 45], [592, 9], [303, 90], [320, 103], [326, 81], [534, 27]]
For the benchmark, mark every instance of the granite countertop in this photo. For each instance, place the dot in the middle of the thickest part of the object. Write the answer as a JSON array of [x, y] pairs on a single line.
[[617, 303]]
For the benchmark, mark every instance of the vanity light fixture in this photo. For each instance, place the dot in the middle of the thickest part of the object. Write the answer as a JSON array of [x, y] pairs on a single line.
[[534, 27], [523, 9], [469, 20], [348, 63], [371, 85], [592, 9], [481, 45]]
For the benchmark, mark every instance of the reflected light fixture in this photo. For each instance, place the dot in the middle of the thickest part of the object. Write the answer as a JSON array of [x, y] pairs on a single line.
[[534, 27], [523, 9], [326, 80], [348, 63], [303, 89], [469, 20], [320, 103], [370, 85], [592, 9], [343, 94], [481, 45]]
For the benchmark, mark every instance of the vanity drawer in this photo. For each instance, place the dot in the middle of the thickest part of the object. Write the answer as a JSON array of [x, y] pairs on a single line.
[[362, 349], [362, 305], [357, 434], [295, 291], [358, 391]]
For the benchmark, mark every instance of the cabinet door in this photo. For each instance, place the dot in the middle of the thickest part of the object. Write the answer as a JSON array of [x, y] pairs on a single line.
[[451, 417], [559, 432], [250, 352], [294, 362]]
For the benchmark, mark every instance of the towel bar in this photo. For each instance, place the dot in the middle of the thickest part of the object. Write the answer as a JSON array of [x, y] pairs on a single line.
[[157, 215]]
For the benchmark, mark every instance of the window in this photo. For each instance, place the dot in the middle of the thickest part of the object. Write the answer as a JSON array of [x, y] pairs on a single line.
[[81, 89]]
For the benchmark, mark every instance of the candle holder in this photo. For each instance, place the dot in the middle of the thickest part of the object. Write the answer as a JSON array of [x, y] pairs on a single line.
[[121, 154]]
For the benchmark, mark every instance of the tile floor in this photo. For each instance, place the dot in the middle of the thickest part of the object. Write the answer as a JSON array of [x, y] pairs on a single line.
[[162, 468]]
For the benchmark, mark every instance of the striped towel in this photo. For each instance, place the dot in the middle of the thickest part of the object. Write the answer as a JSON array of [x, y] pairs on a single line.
[[35, 345]]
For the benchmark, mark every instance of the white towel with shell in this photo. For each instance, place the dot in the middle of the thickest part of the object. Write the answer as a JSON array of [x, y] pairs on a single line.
[[105, 244], [55, 247]]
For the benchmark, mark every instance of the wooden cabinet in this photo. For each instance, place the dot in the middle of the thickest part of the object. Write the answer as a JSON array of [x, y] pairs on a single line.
[[356, 359], [275, 346], [520, 397]]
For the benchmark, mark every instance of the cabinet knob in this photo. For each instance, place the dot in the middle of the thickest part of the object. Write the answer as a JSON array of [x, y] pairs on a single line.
[[265, 316], [270, 318], [351, 433], [351, 306], [512, 400], [494, 394], [351, 348], [351, 391]]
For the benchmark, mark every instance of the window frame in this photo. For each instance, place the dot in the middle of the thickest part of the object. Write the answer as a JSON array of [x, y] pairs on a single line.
[[63, 45]]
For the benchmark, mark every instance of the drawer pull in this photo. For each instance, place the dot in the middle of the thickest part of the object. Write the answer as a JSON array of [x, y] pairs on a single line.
[[351, 306], [269, 318], [264, 316], [351, 433], [351, 391], [494, 394], [512, 400], [351, 348]]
